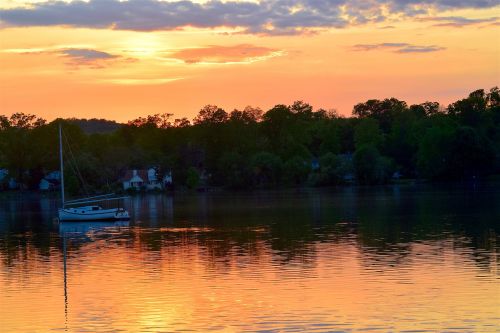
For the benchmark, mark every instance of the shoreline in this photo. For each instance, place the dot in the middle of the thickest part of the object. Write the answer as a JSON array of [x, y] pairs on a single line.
[[406, 183]]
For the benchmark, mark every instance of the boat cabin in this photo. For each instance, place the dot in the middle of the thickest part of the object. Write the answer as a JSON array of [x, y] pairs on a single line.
[[85, 209]]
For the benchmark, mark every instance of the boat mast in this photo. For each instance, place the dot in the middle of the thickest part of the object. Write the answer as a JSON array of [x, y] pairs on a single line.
[[61, 164]]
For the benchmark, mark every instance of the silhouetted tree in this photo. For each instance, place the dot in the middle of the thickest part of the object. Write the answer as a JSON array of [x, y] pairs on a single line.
[[211, 114], [287, 145]]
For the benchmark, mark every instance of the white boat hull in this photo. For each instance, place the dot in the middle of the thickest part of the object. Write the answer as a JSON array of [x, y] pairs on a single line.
[[81, 214]]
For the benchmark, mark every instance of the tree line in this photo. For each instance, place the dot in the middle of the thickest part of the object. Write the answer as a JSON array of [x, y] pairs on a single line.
[[289, 145]]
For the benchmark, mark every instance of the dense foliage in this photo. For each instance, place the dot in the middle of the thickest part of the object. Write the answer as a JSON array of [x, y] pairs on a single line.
[[287, 145]]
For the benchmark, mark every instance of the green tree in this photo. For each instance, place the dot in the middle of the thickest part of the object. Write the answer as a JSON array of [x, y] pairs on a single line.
[[368, 132], [469, 111], [193, 178], [233, 170], [211, 114], [267, 168], [471, 154], [331, 172], [295, 170], [433, 156], [247, 116], [370, 166], [425, 109], [384, 111]]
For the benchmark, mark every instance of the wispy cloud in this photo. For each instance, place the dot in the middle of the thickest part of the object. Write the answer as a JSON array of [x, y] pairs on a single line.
[[214, 54], [74, 56], [458, 21], [272, 17], [387, 27], [140, 81], [398, 47], [87, 56], [211, 54], [47, 49], [25, 50]]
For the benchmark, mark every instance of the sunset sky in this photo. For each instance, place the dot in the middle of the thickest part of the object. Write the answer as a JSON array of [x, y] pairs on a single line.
[[124, 59]]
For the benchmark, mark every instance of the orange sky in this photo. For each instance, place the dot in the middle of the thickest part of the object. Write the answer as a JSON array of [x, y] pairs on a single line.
[[108, 67]]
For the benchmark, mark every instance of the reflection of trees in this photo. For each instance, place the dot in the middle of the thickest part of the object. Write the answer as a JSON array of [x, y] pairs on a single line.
[[22, 248], [25, 229], [390, 221], [223, 228], [287, 226]]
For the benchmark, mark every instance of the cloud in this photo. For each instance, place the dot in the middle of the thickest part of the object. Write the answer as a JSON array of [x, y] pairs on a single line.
[[25, 51], [214, 54], [271, 17], [458, 21], [141, 81], [211, 54], [420, 49], [75, 56], [86, 55], [398, 47]]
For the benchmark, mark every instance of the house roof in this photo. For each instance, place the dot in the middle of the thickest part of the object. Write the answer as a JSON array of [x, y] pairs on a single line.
[[143, 174], [53, 175], [51, 181]]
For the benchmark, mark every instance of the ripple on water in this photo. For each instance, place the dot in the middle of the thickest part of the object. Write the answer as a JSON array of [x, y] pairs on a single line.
[[247, 276]]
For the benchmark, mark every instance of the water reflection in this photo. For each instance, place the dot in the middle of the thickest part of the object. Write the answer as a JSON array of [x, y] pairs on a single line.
[[81, 231], [391, 259]]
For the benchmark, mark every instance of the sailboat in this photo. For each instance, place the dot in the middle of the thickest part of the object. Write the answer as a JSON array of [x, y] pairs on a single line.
[[79, 209]]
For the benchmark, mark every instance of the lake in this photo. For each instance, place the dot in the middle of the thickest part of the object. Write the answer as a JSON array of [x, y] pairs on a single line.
[[389, 259]]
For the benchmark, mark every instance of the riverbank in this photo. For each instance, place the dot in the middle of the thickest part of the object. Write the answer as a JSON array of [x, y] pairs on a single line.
[[491, 181]]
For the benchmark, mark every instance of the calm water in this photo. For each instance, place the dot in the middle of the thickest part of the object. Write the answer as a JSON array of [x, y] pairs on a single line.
[[395, 259]]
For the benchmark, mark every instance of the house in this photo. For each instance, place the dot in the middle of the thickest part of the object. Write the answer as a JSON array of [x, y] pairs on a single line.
[[134, 179], [167, 181], [7, 182], [203, 181], [44, 185], [13, 185], [3, 174], [141, 179], [50, 182], [3, 178], [53, 176], [153, 183], [315, 164]]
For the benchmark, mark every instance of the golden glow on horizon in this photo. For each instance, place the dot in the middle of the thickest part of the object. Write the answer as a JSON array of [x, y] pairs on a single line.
[[45, 76]]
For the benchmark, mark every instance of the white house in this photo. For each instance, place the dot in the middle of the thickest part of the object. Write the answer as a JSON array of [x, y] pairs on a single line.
[[153, 182], [134, 179], [44, 185], [167, 180], [141, 179], [54, 175], [50, 181], [6, 182]]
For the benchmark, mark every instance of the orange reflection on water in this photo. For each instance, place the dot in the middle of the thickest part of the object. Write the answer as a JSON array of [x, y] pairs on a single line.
[[145, 280]]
